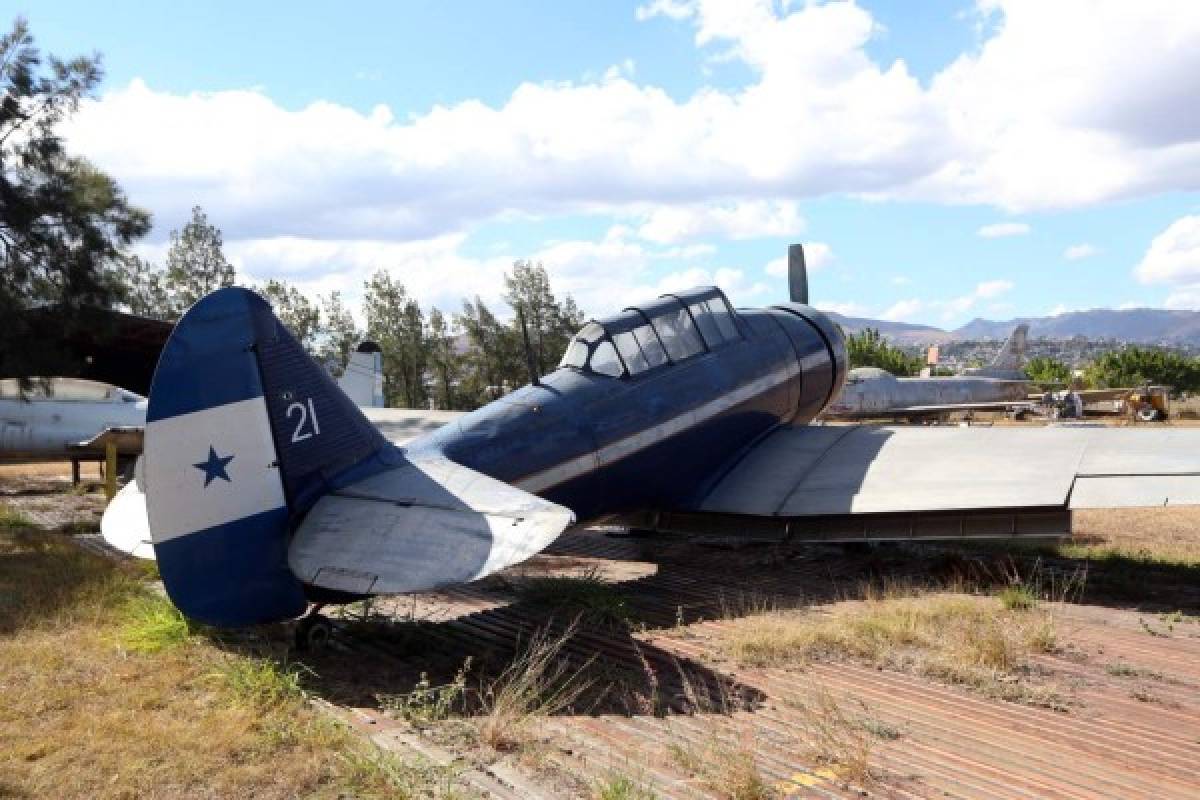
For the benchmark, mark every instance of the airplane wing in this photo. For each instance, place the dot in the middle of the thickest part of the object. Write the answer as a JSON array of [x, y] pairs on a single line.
[[886, 482], [426, 524], [127, 438], [946, 407]]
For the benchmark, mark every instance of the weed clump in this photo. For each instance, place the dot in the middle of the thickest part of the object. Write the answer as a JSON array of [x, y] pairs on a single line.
[[14, 519], [620, 787], [428, 705], [725, 766], [538, 682], [585, 595], [152, 624], [1018, 598], [263, 683]]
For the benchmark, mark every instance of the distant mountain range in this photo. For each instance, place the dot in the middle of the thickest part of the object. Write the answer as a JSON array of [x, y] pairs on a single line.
[[1138, 325]]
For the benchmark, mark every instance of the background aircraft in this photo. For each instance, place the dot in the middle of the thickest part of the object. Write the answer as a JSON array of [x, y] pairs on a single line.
[[65, 418], [873, 393], [267, 490], [62, 418]]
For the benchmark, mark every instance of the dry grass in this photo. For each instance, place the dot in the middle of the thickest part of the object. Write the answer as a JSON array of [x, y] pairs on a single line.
[[617, 786], [539, 681], [837, 737], [724, 765], [963, 639], [103, 694], [1149, 535]]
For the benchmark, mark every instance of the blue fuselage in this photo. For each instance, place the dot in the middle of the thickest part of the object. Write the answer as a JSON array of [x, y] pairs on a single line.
[[603, 445]]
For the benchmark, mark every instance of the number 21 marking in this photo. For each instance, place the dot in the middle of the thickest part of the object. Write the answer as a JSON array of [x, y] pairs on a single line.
[[307, 415]]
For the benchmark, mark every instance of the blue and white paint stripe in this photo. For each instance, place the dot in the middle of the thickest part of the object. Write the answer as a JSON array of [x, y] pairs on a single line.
[[242, 481]]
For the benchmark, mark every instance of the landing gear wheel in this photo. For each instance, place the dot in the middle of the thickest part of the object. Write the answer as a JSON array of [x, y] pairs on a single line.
[[312, 633]]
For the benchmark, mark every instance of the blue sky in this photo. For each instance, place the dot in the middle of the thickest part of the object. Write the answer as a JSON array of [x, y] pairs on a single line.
[[633, 147]]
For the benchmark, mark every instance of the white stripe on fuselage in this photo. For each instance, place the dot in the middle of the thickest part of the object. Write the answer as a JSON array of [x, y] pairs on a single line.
[[177, 501], [635, 443]]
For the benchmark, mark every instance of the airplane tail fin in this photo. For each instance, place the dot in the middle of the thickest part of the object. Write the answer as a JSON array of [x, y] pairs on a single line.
[[362, 380], [244, 433], [1012, 352]]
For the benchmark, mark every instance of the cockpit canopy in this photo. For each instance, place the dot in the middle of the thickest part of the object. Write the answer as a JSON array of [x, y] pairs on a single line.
[[673, 328]]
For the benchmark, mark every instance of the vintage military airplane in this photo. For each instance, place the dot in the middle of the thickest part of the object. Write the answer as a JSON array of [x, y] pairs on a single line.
[[268, 491], [67, 418], [872, 393]]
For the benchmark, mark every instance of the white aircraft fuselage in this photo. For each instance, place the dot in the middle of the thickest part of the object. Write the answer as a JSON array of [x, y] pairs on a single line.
[[42, 425]]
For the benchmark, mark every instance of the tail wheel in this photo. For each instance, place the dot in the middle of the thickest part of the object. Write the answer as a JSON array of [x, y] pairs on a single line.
[[313, 633]]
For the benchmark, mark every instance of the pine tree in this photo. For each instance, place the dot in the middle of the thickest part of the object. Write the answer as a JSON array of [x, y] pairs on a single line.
[[195, 263], [295, 310], [396, 323], [63, 223]]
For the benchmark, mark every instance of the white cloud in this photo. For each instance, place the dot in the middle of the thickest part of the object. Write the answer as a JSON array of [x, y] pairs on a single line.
[[989, 289], [1173, 258], [817, 255], [1039, 119], [903, 310], [1078, 251], [739, 220], [958, 306], [671, 9], [901, 280], [1030, 119], [849, 309], [1173, 255], [999, 229]]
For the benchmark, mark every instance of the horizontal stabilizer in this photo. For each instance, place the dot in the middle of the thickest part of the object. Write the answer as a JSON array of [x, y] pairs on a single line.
[[425, 524], [124, 525]]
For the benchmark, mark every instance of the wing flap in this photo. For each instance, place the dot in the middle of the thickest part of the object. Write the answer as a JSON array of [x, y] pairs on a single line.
[[427, 524]]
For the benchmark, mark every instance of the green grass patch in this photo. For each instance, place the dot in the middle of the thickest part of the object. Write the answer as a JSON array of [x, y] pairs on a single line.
[[586, 596], [152, 624], [263, 683], [12, 518], [620, 787], [1018, 598], [365, 770]]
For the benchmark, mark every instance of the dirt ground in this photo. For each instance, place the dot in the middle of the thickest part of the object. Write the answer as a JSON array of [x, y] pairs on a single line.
[[1086, 684]]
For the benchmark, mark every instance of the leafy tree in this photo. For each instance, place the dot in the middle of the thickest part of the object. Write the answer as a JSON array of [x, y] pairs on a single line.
[[551, 324], [1044, 369], [869, 349], [295, 310], [144, 289], [493, 361], [396, 323], [338, 334], [63, 223], [1133, 366], [195, 263], [444, 361]]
